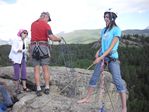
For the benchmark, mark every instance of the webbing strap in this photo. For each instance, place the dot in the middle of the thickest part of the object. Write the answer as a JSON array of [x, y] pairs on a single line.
[[36, 48], [102, 82]]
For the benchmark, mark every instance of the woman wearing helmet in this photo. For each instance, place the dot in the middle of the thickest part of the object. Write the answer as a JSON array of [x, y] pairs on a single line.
[[110, 36], [18, 58]]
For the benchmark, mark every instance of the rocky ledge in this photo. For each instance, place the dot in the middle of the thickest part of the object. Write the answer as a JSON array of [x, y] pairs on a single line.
[[67, 85]]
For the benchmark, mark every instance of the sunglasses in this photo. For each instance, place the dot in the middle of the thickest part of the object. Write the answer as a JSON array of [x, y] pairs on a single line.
[[25, 33]]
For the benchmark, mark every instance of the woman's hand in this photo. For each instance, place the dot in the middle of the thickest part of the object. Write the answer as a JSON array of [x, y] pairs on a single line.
[[97, 60], [96, 56]]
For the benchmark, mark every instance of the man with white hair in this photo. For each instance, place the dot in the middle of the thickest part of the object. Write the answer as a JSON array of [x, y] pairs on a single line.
[[40, 33]]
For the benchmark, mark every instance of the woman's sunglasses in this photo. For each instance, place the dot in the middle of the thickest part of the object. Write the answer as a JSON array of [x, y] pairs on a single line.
[[25, 33]]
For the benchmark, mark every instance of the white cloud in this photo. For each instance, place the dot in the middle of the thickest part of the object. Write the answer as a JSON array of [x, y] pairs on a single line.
[[67, 15]]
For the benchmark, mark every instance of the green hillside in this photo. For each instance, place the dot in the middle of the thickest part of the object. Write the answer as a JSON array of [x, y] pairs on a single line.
[[91, 35], [86, 36], [82, 36]]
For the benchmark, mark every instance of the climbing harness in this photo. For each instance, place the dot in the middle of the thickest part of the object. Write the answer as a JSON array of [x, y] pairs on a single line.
[[38, 54]]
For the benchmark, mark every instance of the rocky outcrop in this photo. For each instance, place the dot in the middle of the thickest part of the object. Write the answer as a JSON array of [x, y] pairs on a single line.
[[67, 86]]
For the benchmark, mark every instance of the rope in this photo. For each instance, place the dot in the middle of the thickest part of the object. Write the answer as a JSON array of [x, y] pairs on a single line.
[[67, 58], [90, 66], [73, 80], [110, 99], [67, 85], [102, 82], [64, 49]]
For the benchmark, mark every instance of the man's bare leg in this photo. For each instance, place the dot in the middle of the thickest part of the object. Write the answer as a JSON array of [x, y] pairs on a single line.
[[37, 76], [46, 75], [46, 78]]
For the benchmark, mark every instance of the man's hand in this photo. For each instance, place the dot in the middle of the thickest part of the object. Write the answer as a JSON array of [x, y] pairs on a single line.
[[59, 39]]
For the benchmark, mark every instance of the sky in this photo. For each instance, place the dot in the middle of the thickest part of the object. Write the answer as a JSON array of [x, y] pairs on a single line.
[[70, 15]]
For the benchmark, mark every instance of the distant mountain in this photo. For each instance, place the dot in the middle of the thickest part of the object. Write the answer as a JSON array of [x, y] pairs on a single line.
[[147, 27], [89, 35], [81, 36], [139, 32], [3, 42]]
